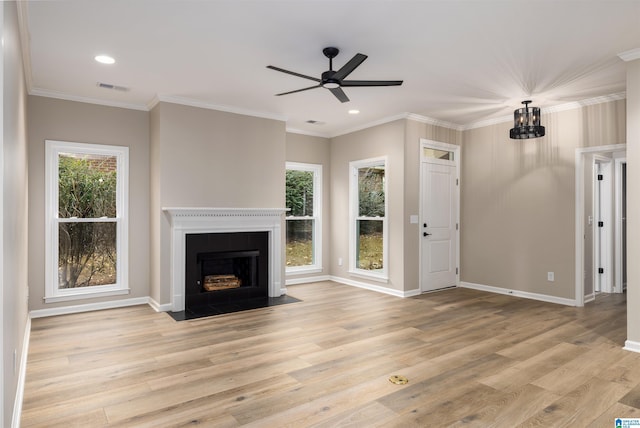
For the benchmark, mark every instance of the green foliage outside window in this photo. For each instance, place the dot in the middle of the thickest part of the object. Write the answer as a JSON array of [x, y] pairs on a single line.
[[371, 192], [371, 204], [86, 250], [299, 196]]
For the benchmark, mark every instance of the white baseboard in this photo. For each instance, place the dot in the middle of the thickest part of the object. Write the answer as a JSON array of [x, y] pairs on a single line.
[[63, 310], [377, 288], [158, 307], [517, 293], [589, 297], [22, 376], [630, 345], [307, 279], [412, 293]]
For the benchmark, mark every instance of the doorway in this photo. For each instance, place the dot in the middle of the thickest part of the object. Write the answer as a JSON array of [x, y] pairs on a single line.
[[439, 215], [600, 241]]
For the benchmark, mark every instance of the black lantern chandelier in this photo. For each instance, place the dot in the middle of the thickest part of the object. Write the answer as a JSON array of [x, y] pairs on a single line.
[[526, 123]]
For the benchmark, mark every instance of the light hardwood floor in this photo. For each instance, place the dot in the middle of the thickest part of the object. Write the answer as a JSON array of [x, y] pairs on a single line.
[[472, 359]]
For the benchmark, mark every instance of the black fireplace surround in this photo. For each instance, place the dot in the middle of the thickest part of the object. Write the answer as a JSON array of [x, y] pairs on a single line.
[[244, 255]]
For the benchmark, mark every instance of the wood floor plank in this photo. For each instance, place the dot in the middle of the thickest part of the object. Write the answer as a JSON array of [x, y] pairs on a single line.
[[372, 415], [572, 374], [472, 358], [508, 409], [578, 407], [617, 410], [538, 365]]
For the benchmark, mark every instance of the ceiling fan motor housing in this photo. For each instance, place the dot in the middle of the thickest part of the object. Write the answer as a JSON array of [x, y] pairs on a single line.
[[328, 81]]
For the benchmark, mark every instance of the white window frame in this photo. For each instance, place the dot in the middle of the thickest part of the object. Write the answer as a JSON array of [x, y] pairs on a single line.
[[316, 169], [381, 275], [52, 151]]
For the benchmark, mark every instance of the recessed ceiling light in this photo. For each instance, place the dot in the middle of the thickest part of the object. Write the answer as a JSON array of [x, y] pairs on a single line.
[[354, 111], [105, 59]]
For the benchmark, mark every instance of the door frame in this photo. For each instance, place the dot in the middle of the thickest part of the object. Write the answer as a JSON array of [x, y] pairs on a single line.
[[457, 156], [603, 211], [579, 213], [618, 285]]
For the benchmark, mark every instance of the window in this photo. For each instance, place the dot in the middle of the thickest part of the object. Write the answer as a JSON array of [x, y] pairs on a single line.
[[86, 220], [428, 152], [368, 224], [303, 220]]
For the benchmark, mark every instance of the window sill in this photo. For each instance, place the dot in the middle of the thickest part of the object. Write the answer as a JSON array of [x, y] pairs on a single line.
[[303, 270], [372, 276], [87, 295]]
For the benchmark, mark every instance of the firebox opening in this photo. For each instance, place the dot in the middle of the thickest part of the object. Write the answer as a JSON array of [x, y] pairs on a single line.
[[228, 269], [225, 268]]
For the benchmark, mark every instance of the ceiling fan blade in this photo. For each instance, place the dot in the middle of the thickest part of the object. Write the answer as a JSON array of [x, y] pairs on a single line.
[[339, 93], [350, 66], [293, 73], [352, 83], [299, 90]]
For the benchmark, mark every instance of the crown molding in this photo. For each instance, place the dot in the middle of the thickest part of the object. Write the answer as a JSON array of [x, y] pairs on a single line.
[[402, 116], [62, 96], [630, 55], [309, 133], [435, 122], [555, 109], [371, 124], [588, 102], [209, 106]]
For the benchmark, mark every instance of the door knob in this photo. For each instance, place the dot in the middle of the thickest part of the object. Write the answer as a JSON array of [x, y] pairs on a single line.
[[426, 234]]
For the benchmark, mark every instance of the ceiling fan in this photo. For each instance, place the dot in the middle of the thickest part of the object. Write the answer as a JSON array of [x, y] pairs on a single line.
[[334, 80]]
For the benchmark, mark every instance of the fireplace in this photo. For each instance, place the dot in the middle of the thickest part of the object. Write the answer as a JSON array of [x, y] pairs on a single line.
[[205, 225], [225, 268]]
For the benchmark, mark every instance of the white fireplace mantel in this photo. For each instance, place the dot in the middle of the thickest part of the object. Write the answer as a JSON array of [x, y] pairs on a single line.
[[186, 221]]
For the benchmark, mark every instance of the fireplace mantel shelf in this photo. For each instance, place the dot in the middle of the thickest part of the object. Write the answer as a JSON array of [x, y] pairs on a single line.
[[223, 212]]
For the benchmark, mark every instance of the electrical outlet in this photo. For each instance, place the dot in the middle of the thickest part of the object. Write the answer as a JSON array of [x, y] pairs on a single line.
[[551, 276], [339, 261]]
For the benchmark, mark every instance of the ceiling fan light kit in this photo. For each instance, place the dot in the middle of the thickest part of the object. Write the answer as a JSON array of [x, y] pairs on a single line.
[[526, 123], [334, 80]]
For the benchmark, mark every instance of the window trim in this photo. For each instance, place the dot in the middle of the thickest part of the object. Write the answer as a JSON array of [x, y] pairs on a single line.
[[316, 267], [53, 149], [381, 275]]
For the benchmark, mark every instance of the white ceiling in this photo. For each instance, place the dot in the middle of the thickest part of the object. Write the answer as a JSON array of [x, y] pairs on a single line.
[[462, 62]]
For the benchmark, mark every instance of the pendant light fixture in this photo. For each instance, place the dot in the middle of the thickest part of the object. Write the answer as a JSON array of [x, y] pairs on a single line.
[[526, 123]]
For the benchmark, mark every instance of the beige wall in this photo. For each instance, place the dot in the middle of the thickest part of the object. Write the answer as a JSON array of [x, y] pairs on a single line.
[[315, 150], [518, 200], [13, 211], [53, 119], [383, 140], [414, 132], [633, 202], [209, 158]]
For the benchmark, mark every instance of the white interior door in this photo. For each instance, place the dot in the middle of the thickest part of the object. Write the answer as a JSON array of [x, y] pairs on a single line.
[[438, 227]]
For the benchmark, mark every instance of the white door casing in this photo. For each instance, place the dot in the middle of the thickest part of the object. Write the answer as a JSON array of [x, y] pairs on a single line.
[[439, 218]]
